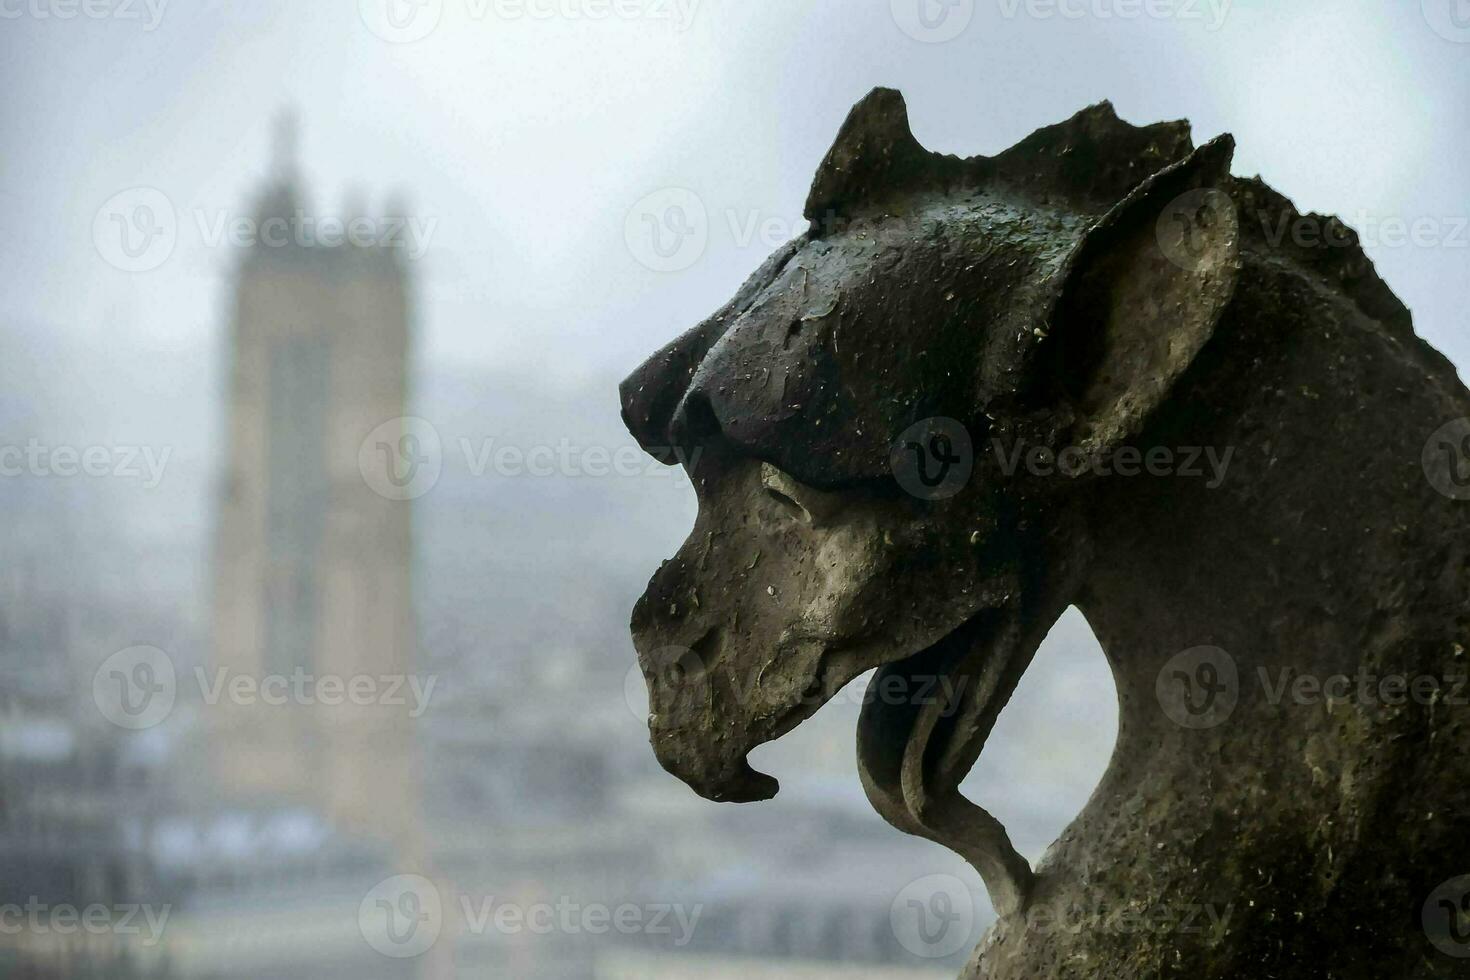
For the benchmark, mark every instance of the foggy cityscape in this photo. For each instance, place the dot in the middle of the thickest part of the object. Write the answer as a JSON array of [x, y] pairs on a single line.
[[324, 526]]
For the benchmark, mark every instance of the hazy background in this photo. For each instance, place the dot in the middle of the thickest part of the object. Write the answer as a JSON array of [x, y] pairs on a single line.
[[529, 147]]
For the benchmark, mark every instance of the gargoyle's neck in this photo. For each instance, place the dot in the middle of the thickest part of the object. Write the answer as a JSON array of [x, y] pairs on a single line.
[[1325, 550], [1234, 606], [1324, 564]]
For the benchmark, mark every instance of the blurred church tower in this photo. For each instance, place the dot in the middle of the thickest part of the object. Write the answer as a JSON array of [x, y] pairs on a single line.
[[311, 566]]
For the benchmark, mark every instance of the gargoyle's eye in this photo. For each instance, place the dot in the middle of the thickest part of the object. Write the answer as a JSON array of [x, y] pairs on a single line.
[[787, 504], [782, 489]]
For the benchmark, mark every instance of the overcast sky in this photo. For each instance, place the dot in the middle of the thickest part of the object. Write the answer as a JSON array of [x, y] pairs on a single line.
[[525, 133], [524, 140]]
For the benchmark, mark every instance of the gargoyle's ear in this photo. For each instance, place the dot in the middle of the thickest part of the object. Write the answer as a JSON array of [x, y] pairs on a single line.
[[875, 152], [1142, 294]]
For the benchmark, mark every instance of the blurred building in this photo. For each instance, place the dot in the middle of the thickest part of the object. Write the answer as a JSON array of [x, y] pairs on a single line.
[[96, 828], [311, 565], [74, 814], [261, 829]]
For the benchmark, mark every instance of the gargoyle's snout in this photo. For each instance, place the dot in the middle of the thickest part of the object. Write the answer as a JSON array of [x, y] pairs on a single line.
[[696, 714], [747, 631], [722, 780]]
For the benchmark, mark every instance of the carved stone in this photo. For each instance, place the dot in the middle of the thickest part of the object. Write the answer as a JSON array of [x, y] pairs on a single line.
[[859, 423]]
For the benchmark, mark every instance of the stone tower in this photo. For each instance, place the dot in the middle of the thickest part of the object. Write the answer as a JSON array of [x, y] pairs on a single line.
[[312, 567]]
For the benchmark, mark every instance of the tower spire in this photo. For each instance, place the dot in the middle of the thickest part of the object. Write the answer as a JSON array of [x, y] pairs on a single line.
[[279, 197], [285, 144]]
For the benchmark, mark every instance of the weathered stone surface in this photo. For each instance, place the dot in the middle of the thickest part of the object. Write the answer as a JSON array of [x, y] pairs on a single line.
[[1101, 291]]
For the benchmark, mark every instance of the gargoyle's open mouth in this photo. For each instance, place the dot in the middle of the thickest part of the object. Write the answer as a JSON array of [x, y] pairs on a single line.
[[706, 740], [744, 784], [708, 748], [913, 755], [925, 718]]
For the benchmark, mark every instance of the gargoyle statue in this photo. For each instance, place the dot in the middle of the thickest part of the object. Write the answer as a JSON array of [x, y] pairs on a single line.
[[946, 413]]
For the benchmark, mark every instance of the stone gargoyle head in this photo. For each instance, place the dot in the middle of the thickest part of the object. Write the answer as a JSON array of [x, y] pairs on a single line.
[[844, 421]]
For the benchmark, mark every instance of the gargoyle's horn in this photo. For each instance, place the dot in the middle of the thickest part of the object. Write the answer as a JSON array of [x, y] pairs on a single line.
[[1080, 160]]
